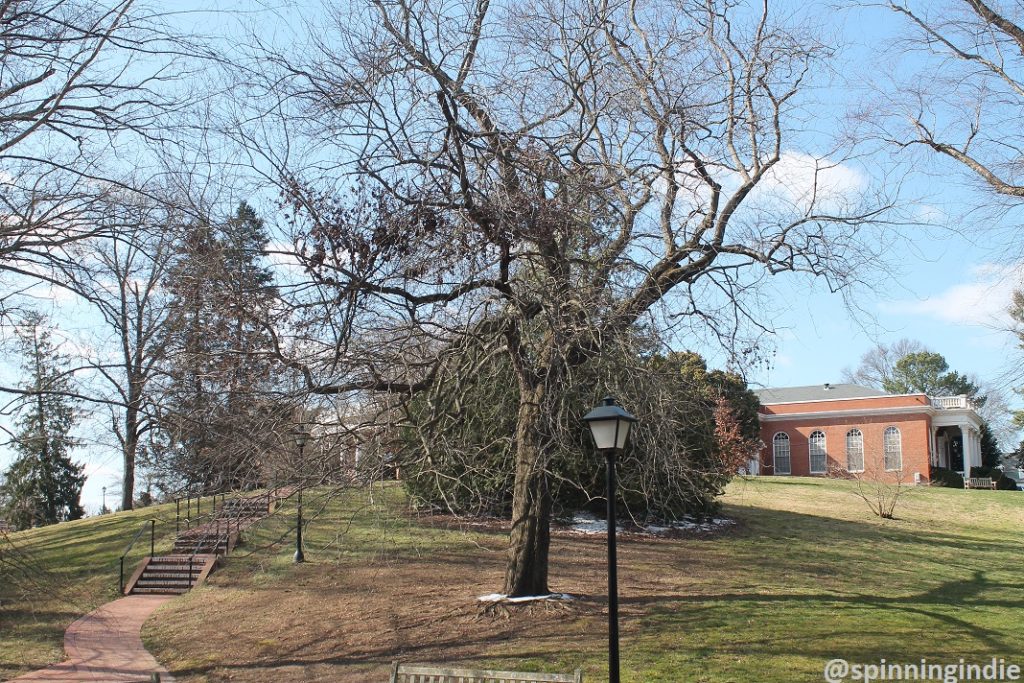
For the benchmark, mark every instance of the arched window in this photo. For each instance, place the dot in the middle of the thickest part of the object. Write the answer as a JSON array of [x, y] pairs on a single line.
[[854, 450], [816, 451], [780, 449], [893, 449]]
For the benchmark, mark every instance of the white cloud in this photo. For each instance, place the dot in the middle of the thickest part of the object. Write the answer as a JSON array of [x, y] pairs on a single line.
[[804, 180], [930, 214], [282, 258], [797, 181], [982, 301]]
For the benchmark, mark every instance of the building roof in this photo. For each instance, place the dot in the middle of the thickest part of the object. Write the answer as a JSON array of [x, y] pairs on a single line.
[[816, 392]]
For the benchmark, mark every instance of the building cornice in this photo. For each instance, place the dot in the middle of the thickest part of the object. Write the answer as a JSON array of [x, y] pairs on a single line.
[[945, 416], [826, 399], [825, 414]]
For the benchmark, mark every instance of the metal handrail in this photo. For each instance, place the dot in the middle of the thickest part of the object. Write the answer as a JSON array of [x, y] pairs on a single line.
[[198, 551], [215, 517], [131, 543], [188, 518]]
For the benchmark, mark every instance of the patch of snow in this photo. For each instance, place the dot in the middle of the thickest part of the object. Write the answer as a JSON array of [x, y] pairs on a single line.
[[586, 523], [502, 597]]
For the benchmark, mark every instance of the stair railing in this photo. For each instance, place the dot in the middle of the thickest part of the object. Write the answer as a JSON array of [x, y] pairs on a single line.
[[219, 518], [131, 543], [197, 550], [189, 499]]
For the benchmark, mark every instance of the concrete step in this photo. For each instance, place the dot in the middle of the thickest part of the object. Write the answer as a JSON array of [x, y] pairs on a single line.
[[151, 577], [172, 574], [180, 559], [182, 585], [159, 590], [188, 547]]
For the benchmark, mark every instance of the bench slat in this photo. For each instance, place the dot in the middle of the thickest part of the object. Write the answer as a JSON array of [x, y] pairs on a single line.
[[401, 673]]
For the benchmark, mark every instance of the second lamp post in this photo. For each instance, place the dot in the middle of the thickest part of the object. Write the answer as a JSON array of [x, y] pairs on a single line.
[[610, 424], [300, 436]]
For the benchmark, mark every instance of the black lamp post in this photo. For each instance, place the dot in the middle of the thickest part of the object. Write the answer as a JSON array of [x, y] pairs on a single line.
[[300, 436], [103, 508], [610, 423]]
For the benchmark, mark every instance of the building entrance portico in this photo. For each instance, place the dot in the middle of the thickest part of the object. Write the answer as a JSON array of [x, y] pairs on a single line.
[[956, 434], [949, 448]]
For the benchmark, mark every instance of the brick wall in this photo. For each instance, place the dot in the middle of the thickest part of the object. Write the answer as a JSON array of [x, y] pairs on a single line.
[[914, 430]]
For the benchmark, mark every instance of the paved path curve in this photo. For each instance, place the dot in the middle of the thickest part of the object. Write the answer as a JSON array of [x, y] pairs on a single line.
[[105, 645]]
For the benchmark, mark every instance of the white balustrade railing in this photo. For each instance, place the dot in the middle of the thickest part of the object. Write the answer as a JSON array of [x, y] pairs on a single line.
[[945, 402]]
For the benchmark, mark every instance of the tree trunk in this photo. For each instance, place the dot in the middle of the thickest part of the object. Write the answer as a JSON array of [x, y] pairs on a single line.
[[132, 414], [527, 570], [130, 447]]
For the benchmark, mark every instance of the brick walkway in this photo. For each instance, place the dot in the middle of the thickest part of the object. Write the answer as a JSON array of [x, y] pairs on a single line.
[[105, 645]]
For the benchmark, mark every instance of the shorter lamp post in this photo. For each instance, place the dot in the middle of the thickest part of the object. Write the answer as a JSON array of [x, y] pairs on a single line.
[[103, 508], [300, 436], [610, 423]]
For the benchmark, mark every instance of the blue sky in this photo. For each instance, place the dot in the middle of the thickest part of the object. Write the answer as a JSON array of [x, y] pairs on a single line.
[[951, 280], [952, 297], [948, 285]]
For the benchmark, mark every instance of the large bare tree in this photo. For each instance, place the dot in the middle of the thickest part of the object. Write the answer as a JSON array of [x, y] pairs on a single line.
[[121, 276], [964, 94], [82, 86], [536, 179]]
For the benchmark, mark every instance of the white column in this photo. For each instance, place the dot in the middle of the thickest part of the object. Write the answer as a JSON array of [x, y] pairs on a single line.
[[968, 439], [976, 462]]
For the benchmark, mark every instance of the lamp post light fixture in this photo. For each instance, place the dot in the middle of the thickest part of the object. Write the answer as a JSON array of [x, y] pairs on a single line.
[[610, 423], [300, 435]]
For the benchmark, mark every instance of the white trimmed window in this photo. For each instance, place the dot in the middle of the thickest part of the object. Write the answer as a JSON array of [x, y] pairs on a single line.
[[854, 450], [780, 451], [817, 453], [893, 449]]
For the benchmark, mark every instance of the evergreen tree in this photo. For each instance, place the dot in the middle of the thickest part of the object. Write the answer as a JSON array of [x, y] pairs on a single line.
[[700, 425], [43, 486], [217, 374], [929, 373], [990, 455], [1017, 456], [1017, 314]]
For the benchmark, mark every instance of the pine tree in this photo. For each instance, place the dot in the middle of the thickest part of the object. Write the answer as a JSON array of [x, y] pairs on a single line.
[[216, 375], [43, 486], [990, 452]]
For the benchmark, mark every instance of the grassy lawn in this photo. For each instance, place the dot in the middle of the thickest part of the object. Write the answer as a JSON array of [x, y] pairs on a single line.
[[806, 575], [51, 576]]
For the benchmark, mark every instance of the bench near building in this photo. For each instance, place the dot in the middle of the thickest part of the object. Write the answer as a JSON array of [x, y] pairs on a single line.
[[840, 429]]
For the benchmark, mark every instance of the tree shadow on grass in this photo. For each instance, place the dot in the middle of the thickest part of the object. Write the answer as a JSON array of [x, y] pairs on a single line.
[[937, 604]]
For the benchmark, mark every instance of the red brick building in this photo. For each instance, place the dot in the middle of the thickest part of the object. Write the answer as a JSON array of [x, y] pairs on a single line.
[[835, 429]]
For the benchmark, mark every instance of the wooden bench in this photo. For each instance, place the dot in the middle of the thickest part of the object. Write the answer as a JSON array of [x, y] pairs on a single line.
[[980, 483], [406, 673]]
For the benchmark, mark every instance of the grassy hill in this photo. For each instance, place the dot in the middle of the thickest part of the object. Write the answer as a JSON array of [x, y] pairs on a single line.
[[52, 575], [807, 575]]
